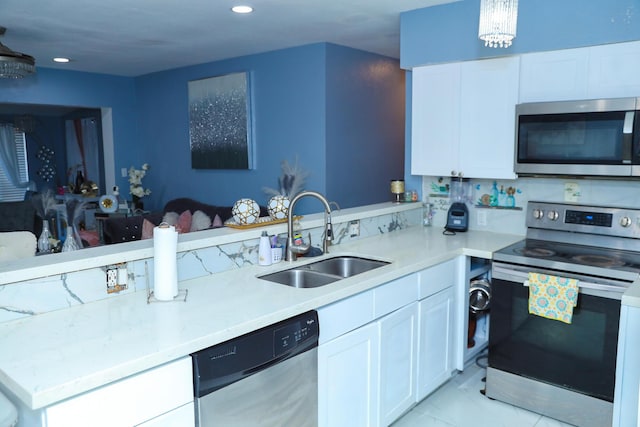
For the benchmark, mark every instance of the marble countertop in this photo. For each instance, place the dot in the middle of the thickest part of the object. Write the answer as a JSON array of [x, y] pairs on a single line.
[[56, 355]]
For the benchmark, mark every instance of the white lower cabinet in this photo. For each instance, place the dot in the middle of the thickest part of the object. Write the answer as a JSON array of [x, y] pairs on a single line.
[[402, 347], [348, 379], [435, 342], [162, 396], [398, 352]]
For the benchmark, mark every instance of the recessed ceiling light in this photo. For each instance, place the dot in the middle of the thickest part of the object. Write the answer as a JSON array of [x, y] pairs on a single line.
[[242, 9], [61, 60]]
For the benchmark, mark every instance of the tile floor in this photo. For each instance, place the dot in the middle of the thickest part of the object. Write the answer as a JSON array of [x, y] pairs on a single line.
[[459, 403]]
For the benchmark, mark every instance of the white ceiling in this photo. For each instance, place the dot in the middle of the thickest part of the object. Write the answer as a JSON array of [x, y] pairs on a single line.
[[135, 37]]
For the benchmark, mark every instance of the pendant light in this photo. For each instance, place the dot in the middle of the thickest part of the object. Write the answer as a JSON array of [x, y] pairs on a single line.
[[14, 65], [498, 21]]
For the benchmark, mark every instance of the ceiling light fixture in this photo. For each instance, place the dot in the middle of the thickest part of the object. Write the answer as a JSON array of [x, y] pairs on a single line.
[[61, 60], [242, 9], [14, 65], [498, 21]]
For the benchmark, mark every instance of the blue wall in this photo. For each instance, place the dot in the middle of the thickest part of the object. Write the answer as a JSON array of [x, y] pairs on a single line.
[[288, 111], [365, 126], [449, 32], [337, 111], [70, 88]]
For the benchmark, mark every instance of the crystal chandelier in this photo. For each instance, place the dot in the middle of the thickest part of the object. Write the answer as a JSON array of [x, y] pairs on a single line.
[[498, 20], [14, 65]]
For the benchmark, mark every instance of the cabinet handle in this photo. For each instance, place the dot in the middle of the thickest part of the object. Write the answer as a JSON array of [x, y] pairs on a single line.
[[453, 173]]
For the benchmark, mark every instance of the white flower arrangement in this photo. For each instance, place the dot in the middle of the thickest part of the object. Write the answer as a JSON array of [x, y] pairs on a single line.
[[135, 181]]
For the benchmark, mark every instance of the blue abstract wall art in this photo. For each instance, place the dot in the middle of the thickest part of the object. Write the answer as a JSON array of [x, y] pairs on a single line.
[[220, 122]]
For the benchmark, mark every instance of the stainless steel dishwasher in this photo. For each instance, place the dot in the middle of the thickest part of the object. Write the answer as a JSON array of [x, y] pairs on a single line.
[[264, 378]]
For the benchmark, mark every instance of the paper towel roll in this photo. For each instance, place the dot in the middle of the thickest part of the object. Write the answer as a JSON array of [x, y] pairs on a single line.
[[165, 271]]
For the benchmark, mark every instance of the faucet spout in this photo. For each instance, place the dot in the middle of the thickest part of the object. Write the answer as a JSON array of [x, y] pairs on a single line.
[[292, 251]]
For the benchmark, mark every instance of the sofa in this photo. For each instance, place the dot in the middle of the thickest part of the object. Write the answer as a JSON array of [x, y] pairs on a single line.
[[19, 216], [130, 228]]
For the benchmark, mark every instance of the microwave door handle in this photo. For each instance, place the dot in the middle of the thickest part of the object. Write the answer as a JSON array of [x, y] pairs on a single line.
[[627, 136]]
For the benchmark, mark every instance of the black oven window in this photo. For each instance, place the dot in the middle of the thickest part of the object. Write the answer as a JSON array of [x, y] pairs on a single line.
[[579, 356]]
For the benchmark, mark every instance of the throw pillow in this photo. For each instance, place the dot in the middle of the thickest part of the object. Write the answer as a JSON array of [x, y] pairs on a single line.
[[170, 218], [200, 221], [217, 222], [184, 222], [147, 229]]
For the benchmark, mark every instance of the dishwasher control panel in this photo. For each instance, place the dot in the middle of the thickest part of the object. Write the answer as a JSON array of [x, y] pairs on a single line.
[[292, 334]]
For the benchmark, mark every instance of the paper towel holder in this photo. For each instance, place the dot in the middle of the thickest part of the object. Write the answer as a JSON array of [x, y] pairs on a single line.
[[181, 296]]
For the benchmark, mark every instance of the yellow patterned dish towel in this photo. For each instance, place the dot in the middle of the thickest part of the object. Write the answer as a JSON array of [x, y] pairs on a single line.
[[552, 297]]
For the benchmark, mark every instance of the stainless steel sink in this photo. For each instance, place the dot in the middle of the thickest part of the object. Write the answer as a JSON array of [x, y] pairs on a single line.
[[300, 278], [345, 266], [323, 272]]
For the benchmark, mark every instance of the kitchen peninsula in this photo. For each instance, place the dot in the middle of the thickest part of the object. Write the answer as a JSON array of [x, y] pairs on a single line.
[[67, 352]]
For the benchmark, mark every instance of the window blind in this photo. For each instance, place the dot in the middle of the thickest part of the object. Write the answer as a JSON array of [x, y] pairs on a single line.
[[8, 191]]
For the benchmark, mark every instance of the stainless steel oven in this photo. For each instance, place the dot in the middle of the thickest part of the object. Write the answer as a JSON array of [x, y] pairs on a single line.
[[565, 371]]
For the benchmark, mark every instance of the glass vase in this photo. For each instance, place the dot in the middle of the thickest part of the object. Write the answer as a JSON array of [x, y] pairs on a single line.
[[71, 241], [137, 203], [44, 246]]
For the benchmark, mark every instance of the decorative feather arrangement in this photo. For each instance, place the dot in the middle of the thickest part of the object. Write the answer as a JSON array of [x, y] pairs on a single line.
[[72, 212], [44, 203], [291, 182]]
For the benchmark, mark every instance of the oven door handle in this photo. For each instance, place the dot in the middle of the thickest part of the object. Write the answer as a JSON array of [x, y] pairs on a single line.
[[588, 285]]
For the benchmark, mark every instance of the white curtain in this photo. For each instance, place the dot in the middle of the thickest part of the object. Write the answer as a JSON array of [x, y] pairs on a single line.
[[9, 157]]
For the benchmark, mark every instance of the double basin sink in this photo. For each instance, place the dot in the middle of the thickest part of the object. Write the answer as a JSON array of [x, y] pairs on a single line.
[[323, 272]]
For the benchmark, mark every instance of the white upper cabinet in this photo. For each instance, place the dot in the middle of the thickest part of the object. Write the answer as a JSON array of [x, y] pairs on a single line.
[[488, 110], [435, 118], [559, 75], [605, 71], [614, 70], [463, 119]]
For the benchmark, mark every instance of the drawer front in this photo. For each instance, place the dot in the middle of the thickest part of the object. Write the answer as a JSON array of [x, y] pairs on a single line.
[[346, 315], [396, 294], [434, 279]]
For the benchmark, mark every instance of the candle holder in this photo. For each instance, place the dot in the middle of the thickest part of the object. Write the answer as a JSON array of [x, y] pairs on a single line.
[[397, 189]]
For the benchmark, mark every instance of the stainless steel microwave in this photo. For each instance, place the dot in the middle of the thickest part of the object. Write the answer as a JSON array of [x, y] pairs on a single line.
[[599, 137]]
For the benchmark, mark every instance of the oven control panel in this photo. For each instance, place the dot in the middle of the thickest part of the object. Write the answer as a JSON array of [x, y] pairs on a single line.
[[608, 221]]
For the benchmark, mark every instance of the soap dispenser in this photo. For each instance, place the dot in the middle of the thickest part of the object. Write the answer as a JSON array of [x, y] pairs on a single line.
[[264, 250]]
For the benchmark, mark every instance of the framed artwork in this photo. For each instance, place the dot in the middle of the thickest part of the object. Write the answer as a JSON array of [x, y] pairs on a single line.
[[220, 127]]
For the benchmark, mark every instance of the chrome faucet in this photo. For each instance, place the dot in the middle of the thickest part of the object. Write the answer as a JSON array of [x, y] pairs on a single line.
[[292, 251]]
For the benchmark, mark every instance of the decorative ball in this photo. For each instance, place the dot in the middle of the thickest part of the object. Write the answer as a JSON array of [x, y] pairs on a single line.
[[278, 207], [245, 211]]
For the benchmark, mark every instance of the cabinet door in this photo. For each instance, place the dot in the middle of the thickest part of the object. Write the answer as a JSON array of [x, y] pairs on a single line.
[[613, 70], [558, 75], [435, 342], [489, 93], [348, 379], [435, 120], [398, 350], [626, 404], [119, 404]]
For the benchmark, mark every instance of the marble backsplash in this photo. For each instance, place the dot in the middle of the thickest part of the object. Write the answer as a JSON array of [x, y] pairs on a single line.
[[37, 296]]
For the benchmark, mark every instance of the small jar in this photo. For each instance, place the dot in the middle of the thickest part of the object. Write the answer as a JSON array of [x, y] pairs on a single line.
[[427, 214]]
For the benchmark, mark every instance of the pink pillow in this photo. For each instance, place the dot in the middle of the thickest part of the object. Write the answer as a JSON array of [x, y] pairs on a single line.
[[217, 222], [184, 222], [147, 229]]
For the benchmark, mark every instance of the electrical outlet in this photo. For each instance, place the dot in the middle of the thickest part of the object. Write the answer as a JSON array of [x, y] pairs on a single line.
[[354, 228], [117, 277], [482, 217], [112, 277]]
